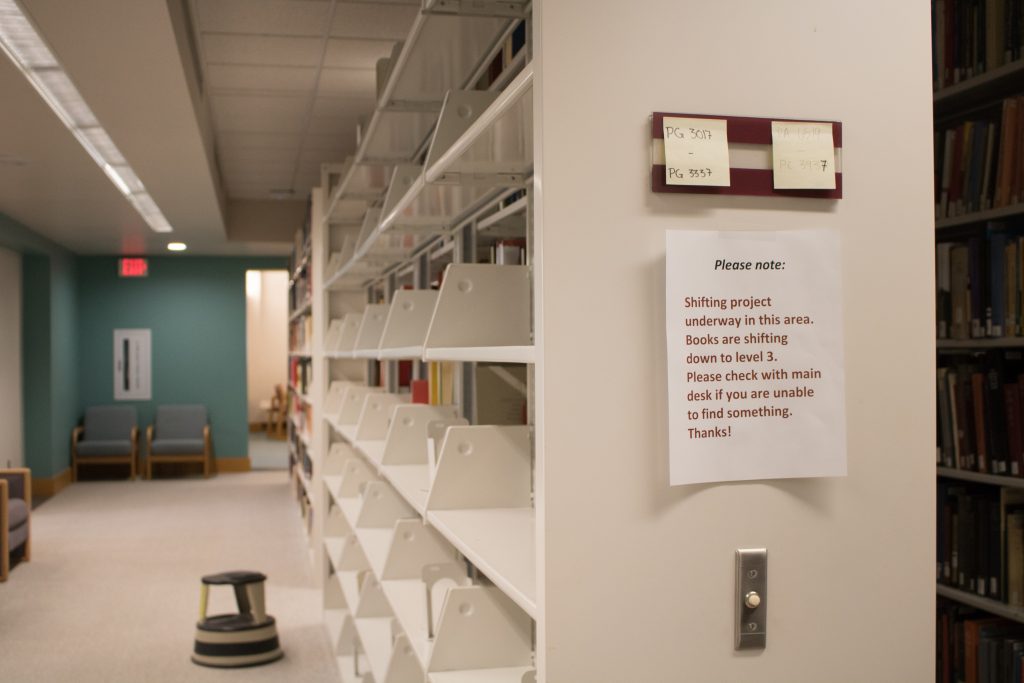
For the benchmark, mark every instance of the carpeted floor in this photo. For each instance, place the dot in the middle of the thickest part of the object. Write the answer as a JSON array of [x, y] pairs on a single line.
[[267, 454], [112, 591]]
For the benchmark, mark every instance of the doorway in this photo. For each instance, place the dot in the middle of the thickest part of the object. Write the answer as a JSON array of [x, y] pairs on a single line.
[[266, 322], [11, 450]]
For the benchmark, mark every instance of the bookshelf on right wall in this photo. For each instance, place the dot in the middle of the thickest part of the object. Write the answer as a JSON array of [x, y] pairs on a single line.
[[979, 221]]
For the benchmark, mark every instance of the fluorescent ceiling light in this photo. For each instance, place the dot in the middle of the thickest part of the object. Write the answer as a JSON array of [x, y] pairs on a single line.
[[20, 41], [176, 246]]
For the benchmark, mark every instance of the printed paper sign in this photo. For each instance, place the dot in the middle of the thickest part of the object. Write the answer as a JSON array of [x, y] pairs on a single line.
[[755, 355], [696, 151], [803, 156], [132, 365]]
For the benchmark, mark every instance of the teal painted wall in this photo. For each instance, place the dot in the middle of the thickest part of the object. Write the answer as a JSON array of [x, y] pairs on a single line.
[[195, 307], [49, 349]]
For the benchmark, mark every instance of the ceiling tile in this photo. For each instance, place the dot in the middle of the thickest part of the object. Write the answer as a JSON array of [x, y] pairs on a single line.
[[228, 140], [364, 20], [256, 155], [342, 106], [221, 77], [354, 83], [336, 125], [356, 54], [335, 145], [259, 113], [223, 48], [265, 17]]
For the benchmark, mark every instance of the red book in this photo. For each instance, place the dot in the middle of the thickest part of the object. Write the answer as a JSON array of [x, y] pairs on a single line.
[[420, 391]]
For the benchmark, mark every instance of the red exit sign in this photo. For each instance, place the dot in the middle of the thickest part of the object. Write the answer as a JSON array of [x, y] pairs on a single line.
[[133, 267]]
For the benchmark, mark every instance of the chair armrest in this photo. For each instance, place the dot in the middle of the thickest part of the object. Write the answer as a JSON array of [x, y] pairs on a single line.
[[5, 496], [207, 446], [149, 437], [135, 439], [18, 482], [76, 436]]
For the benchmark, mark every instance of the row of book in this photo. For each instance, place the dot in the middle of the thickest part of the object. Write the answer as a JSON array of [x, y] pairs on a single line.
[[300, 374], [979, 163], [980, 425], [300, 334], [301, 291], [970, 37], [974, 647], [980, 284], [980, 540]]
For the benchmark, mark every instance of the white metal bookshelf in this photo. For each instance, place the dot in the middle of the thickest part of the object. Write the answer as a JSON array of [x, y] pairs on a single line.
[[415, 536]]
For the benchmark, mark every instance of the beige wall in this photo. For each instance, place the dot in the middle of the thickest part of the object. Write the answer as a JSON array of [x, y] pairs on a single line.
[[266, 337], [11, 446], [638, 576]]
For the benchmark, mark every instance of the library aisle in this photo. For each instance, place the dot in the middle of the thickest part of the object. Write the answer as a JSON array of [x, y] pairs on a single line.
[[113, 590]]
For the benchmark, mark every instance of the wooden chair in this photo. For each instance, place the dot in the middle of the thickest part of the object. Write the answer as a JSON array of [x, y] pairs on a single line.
[[276, 407], [15, 516], [109, 436], [181, 433]]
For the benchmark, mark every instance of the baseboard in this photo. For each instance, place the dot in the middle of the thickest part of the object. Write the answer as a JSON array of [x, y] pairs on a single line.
[[45, 488], [230, 465]]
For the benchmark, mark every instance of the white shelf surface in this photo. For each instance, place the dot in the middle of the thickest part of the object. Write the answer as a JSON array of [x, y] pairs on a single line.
[[406, 353], [349, 588], [372, 449], [375, 635], [333, 548], [482, 354], [333, 484], [376, 544], [501, 543], [334, 620], [350, 508], [339, 355], [408, 599], [348, 432], [412, 483], [346, 666], [506, 675], [306, 483]]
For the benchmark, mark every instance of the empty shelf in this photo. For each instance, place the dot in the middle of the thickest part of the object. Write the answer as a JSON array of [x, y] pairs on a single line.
[[408, 598], [482, 354], [375, 635], [412, 482], [407, 353], [376, 544], [500, 542], [508, 675], [373, 450]]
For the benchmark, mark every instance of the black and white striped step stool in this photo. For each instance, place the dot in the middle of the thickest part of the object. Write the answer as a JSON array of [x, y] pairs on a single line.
[[248, 638]]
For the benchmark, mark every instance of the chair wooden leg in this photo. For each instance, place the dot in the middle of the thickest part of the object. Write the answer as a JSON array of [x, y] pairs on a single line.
[[5, 555]]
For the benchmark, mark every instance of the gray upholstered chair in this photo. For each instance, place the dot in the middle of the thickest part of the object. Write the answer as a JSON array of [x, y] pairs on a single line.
[[179, 434], [15, 514], [109, 435]]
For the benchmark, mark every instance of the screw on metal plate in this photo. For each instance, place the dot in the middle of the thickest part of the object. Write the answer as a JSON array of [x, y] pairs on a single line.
[[751, 599]]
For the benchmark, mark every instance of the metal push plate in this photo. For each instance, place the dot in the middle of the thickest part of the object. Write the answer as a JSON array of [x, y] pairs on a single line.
[[751, 598]]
